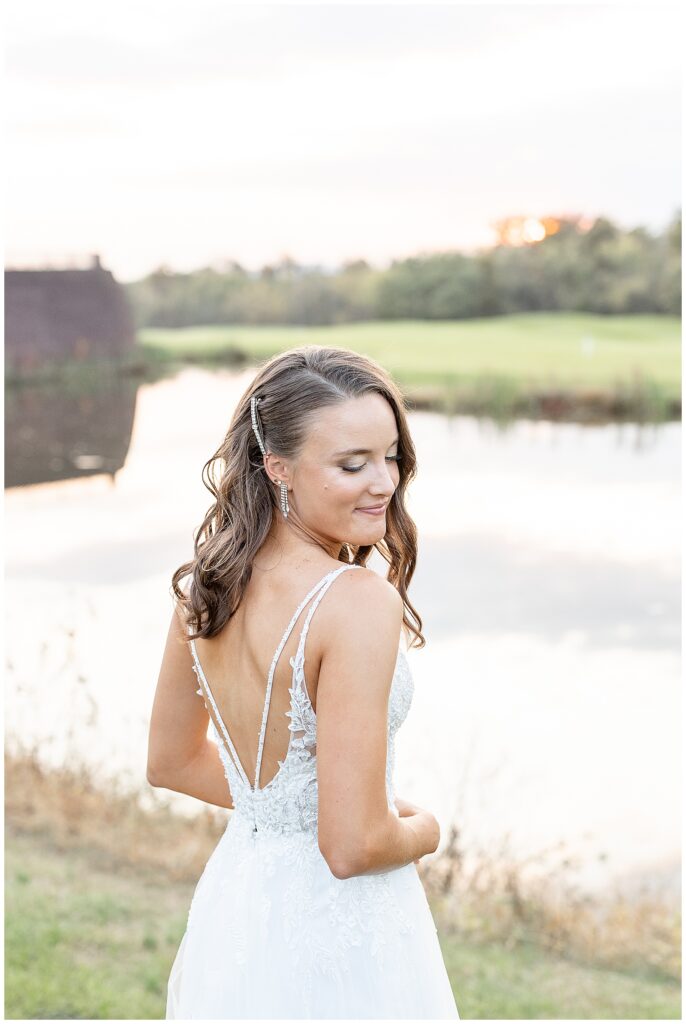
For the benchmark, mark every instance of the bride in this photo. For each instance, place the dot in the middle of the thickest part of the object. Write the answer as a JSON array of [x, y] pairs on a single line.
[[310, 905]]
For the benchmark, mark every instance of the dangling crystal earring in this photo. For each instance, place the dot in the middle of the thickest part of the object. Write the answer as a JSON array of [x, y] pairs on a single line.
[[284, 499]]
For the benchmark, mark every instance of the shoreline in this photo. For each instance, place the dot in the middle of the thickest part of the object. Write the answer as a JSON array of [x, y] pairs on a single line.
[[563, 367], [496, 397]]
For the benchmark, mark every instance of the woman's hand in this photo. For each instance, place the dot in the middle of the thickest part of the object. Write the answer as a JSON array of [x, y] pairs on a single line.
[[425, 821], [405, 808]]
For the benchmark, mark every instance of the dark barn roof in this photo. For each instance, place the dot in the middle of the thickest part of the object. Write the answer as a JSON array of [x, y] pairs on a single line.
[[57, 315]]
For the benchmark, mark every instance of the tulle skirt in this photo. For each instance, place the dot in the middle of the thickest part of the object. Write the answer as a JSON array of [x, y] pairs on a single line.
[[272, 933]]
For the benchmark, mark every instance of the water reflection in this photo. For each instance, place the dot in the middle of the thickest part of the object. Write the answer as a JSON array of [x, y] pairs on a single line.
[[56, 434], [547, 697]]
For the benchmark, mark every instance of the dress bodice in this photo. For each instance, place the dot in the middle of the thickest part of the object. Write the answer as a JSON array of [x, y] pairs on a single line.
[[288, 803]]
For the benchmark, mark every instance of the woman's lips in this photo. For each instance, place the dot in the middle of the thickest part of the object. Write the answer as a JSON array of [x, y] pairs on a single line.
[[377, 510]]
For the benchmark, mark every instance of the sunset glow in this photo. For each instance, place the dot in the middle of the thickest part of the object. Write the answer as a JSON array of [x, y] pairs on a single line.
[[179, 135]]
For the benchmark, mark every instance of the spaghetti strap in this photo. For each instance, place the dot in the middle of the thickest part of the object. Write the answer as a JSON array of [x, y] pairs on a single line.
[[198, 669], [298, 662], [318, 589]]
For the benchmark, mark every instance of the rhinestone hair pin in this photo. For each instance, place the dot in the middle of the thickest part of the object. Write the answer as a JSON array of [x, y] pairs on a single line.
[[253, 414], [283, 487]]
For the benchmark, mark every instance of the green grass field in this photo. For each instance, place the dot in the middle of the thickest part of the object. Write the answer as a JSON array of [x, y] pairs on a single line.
[[84, 939], [560, 365], [548, 348]]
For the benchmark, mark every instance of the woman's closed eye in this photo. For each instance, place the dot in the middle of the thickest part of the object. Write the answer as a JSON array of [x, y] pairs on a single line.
[[356, 469]]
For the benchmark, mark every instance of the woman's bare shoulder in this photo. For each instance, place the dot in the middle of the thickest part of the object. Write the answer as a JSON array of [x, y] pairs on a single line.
[[362, 599]]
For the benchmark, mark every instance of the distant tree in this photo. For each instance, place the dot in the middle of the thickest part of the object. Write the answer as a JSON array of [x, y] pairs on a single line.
[[604, 269], [287, 269], [355, 267]]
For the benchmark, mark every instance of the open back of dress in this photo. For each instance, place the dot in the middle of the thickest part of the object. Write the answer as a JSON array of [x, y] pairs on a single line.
[[245, 787]]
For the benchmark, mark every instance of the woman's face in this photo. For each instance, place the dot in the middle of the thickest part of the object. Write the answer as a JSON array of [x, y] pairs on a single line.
[[349, 462]]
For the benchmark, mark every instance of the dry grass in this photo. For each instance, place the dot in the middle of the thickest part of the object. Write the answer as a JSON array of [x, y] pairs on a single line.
[[492, 895], [482, 896], [64, 806]]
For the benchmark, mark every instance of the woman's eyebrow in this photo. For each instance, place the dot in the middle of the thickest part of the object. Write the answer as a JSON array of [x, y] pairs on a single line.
[[361, 451]]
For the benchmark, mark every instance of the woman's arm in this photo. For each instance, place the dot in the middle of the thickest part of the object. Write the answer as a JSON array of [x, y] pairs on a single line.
[[180, 755], [202, 778], [358, 832]]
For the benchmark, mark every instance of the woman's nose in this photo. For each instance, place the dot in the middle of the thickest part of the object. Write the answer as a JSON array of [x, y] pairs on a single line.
[[385, 483]]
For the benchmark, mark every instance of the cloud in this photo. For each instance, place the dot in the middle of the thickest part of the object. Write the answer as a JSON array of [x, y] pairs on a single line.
[[208, 40]]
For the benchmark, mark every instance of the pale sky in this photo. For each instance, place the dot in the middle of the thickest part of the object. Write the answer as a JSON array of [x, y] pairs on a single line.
[[187, 133]]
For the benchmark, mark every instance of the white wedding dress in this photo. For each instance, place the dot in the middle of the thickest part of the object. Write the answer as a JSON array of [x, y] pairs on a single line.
[[271, 932]]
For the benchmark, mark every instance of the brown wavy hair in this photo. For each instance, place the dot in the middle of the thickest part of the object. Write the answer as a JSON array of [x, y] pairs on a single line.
[[292, 386]]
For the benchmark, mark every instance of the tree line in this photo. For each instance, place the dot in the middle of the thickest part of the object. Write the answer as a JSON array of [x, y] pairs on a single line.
[[603, 269]]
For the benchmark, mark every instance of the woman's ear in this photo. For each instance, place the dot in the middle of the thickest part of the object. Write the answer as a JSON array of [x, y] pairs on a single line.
[[276, 468]]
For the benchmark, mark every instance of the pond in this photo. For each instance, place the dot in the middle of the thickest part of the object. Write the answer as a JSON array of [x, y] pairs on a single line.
[[547, 698]]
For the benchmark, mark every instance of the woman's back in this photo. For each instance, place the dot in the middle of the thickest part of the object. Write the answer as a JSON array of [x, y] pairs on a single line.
[[237, 662]]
